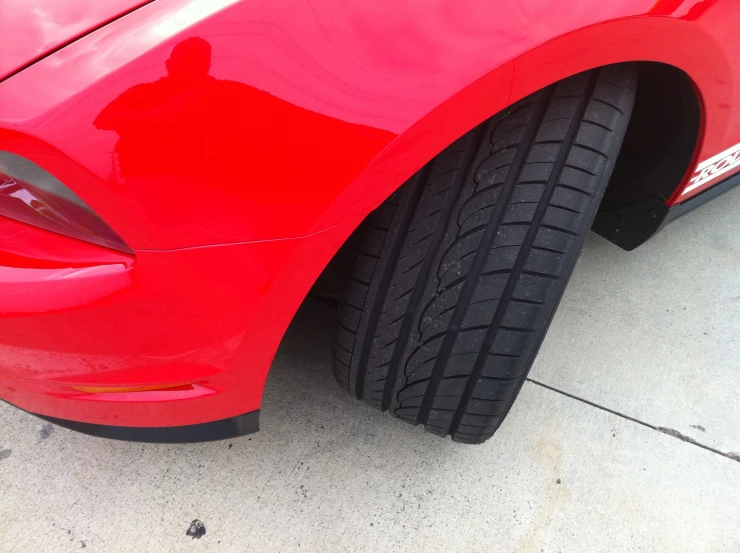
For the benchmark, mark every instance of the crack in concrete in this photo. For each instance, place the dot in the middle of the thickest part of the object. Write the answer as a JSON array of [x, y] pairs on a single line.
[[732, 455]]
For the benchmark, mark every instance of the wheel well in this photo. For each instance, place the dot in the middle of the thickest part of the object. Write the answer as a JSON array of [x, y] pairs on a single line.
[[658, 148], [660, 140], [656, 153]]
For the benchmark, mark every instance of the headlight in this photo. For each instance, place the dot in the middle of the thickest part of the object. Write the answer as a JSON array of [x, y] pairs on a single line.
[[32, 195]]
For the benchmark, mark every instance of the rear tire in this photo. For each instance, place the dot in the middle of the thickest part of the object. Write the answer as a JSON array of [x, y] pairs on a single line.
[[457, 275]]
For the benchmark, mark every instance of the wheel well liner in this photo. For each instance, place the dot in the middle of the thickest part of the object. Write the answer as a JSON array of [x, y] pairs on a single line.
[[657, 151]]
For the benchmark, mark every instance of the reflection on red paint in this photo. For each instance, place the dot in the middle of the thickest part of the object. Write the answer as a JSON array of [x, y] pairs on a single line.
[[189, 133]]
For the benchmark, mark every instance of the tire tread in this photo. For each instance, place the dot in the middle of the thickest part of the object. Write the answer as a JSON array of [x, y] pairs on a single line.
[[457, 275]]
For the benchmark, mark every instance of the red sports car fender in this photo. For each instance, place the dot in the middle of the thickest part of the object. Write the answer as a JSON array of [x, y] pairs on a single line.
[[235, 194]]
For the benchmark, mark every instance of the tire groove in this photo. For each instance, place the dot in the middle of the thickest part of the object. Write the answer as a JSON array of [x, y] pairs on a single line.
[[466, 294], [407, 214], [564, 208], [591, 149], [607, 103], [575, 189], [597, 124], [559, 229], [425, 271], [501, 308]]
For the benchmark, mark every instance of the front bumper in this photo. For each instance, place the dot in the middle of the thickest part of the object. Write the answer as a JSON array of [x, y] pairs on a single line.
[[180, 339]]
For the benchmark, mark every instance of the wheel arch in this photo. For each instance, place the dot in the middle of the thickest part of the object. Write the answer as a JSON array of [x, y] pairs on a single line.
[[692, 56], [671, 42]]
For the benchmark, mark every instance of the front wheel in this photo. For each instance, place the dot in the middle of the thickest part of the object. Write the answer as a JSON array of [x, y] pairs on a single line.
[[457, 275]]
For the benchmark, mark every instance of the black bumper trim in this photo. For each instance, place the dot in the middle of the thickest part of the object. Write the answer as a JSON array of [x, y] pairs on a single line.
[[205, 432]]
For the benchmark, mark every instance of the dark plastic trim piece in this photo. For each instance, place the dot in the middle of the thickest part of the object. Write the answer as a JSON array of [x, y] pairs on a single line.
[[634, 225], [205, 432], [631, 226]]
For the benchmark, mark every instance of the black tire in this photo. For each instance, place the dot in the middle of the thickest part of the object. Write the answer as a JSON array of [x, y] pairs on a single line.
[[457, 275]]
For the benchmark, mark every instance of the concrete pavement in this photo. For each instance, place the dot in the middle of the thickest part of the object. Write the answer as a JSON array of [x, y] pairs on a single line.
[[643, 341]]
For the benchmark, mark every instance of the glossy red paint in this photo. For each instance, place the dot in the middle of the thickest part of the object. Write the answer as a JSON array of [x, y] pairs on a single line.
[[235, 145], [33, 29], [206, 317]]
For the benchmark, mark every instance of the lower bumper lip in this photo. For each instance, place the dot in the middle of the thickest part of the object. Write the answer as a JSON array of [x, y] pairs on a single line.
[[211, 316], [222, 429]]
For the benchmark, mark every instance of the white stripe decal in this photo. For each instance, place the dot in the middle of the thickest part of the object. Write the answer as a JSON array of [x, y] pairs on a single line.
[[697, 184], [714, 167], [718, 157]]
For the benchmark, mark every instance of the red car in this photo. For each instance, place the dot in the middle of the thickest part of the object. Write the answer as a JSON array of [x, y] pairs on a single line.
[[176, 175]]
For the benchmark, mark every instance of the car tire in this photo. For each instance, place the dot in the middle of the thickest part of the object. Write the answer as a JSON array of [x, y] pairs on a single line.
[[457, 275]]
